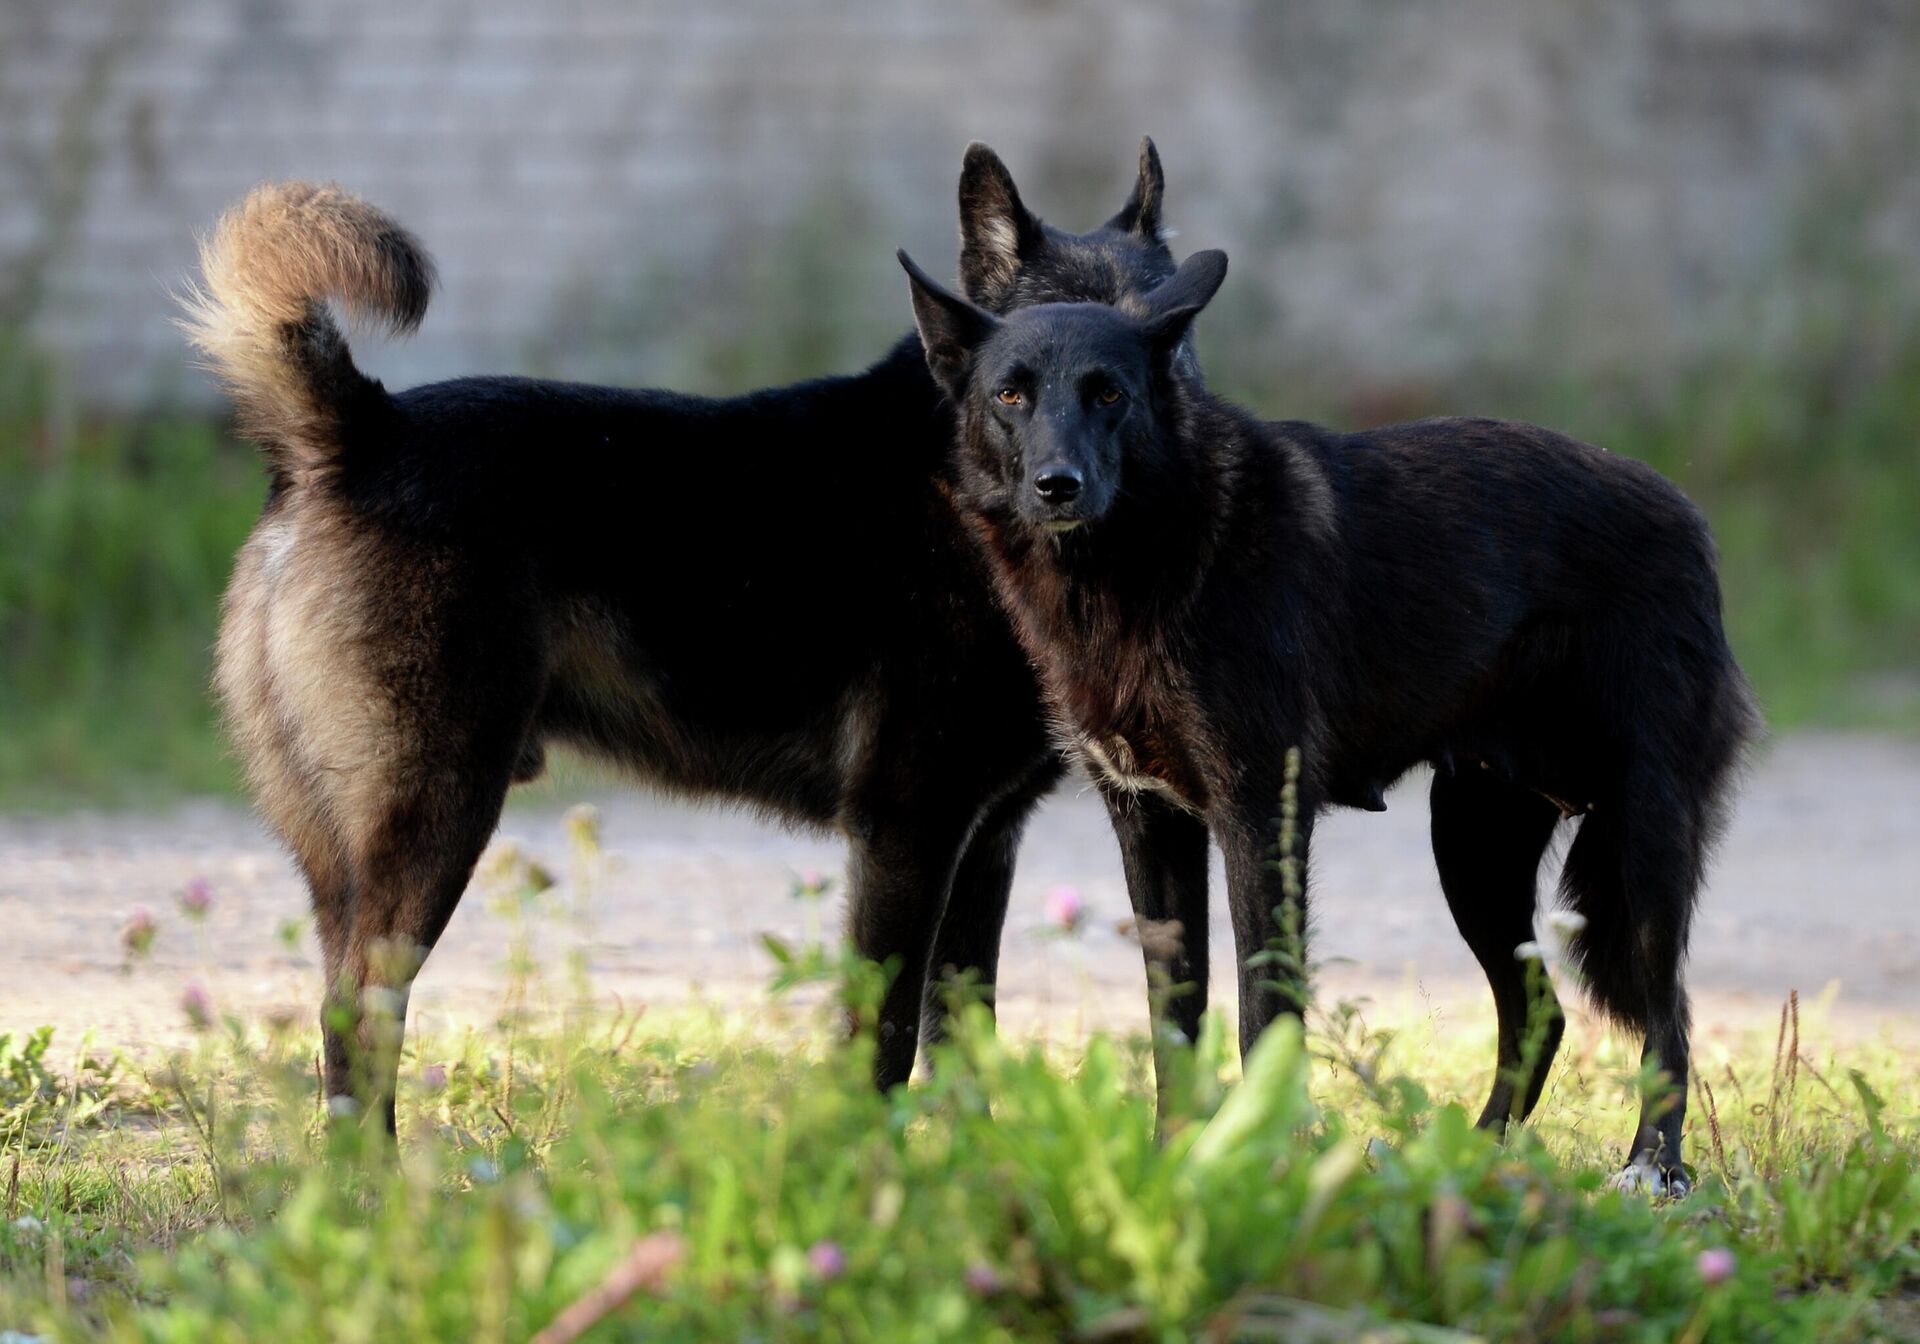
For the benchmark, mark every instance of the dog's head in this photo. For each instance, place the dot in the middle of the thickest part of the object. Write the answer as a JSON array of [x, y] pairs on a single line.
[[1058, 403], [1010, 258]]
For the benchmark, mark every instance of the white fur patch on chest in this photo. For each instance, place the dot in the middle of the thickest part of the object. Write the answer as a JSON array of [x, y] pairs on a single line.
[[1114, 761]]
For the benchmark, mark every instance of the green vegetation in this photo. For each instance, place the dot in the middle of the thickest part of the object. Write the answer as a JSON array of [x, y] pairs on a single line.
[[717, 1175], [118, 542], [707, 1177]]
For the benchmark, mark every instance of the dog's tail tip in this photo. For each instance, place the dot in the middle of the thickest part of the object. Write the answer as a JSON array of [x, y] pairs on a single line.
[[288, 245], [260, 315]]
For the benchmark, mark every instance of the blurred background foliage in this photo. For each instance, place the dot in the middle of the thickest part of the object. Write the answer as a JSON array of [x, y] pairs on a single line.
[[1684, 231]]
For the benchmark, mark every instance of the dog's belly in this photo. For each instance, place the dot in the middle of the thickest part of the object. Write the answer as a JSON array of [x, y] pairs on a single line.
[[612, 708], [792, 775]]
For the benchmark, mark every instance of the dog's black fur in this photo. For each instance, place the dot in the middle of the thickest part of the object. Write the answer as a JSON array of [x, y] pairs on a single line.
[[1203, 591], [766, 598]]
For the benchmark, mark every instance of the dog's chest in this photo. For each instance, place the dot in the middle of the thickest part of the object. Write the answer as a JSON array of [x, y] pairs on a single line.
[[1144, 761], [1114, 705]]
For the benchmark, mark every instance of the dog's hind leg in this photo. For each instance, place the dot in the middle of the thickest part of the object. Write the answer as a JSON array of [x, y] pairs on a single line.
[[410, 863], [1633, 872], [1488, 837], [967, 942], [901, 864], [412, 727]]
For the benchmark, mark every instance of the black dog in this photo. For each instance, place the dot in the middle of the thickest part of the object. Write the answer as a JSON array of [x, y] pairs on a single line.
[[767, 598], [1203, 591]]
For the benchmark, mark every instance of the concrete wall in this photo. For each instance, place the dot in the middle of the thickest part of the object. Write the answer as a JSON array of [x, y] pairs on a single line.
[[1406, 188]]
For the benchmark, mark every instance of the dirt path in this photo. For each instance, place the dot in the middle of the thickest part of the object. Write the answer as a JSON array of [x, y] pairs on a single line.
[[1818, 882]]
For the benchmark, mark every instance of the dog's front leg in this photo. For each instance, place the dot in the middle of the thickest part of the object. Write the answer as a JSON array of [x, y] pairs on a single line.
[[967, 945], [1266, 857], [1164, 852]]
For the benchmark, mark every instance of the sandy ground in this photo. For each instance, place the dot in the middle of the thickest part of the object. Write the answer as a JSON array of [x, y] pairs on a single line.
[[1818, 884]]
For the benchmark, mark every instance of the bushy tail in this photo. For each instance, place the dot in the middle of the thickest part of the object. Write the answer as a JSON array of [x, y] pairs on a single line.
[[260, 317], [1635, 867]]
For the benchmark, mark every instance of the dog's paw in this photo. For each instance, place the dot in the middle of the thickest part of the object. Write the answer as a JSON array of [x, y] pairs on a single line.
[[1645, 1176]]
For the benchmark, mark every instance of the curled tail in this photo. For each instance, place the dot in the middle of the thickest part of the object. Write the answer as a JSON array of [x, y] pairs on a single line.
[[261, 320]]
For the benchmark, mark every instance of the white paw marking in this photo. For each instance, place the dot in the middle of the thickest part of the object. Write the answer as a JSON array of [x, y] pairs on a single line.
[[1642, 1177]]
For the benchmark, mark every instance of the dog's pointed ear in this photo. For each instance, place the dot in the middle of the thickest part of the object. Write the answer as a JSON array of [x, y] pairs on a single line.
[[997, 232], [951, 329], [1172, 306], [1141, 214]]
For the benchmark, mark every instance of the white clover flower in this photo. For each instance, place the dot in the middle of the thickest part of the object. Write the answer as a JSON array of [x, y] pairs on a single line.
[[1566, 923], [582, 825], [1529, 951]]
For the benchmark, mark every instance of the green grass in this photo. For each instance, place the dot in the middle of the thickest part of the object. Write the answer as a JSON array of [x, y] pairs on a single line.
[[118, 543], [742, 1178]]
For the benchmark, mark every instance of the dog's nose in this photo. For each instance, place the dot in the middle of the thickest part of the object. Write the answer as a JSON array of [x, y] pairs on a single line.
[[1058, 485]]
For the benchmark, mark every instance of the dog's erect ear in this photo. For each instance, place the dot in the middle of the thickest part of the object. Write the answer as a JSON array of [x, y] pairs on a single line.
[[1172, 307], [997, 232], [1141, 214], [1193, 285], [951, 329]]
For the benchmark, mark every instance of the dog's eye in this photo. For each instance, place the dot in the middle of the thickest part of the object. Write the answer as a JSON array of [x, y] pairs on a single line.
[[1010, 396], [1110, 396]]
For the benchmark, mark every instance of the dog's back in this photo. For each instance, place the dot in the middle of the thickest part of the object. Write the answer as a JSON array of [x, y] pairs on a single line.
[[1531, 582]]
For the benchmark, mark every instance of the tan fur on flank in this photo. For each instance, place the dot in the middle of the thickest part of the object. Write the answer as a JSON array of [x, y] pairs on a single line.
[[260, 317], [320, 621]]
